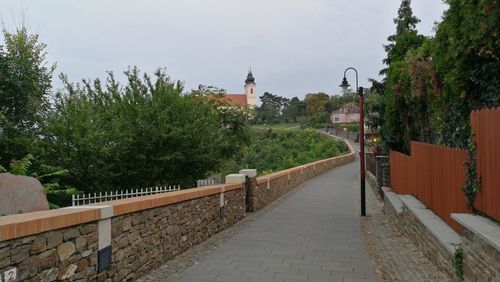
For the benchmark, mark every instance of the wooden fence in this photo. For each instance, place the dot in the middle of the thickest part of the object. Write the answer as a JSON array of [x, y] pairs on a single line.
[[486, 127], [436, 174]]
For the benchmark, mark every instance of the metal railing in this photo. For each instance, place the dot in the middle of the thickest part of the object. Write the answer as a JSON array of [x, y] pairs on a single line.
[[205, 182], [92, 198]]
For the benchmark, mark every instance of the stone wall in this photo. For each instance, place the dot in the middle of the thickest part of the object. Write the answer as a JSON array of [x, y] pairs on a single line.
[[144, 232], [382, 171], [481, 259], [144, 240], [58, 254], [422, 237], [479, 238], [481, 247]]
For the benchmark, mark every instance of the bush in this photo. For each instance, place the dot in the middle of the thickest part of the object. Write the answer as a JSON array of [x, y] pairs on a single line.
[[144, 134], [275, 150]]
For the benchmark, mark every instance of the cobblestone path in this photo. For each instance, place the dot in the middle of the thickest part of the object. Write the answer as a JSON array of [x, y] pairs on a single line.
[[395, 257]]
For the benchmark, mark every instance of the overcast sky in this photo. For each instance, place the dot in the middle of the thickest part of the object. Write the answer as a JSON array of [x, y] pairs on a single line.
[[294, 47]]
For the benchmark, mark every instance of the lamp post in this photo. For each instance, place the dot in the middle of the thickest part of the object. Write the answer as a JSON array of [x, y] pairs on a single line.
[[344, 86]]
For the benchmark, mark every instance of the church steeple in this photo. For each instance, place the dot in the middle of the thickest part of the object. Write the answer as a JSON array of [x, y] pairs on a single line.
[[250, 88], [250, 78]]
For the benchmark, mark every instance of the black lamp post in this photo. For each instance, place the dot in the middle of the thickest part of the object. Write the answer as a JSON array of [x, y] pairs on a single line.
[[344, 86]]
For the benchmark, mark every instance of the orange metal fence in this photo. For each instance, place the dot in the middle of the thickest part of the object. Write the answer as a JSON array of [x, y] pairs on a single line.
[[486, 127], [435, 175]]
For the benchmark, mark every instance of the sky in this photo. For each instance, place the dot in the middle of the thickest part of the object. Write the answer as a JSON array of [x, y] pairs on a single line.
[[294, 47]]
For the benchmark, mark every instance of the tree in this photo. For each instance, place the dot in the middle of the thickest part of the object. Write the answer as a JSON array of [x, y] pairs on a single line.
[[335, 102], [466, 58], [25, 84], [373, 105], [294, 109], [316, 103], [271, 109], [405, 22], [397, 130], [144, 133]]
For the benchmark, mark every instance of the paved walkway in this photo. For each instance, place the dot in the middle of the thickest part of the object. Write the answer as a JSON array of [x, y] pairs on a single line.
[[313, 235]]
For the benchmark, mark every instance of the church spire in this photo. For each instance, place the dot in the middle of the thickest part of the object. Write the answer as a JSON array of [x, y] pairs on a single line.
[[250, 78]]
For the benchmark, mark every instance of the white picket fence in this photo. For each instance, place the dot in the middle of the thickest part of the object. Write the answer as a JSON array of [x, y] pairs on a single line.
[[205, 182], [85, 199]]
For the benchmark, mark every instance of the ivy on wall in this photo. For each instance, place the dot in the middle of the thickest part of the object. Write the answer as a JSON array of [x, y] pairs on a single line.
[[473, 183]]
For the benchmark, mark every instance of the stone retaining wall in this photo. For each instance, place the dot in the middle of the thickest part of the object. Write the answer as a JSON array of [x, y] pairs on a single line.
[[418, 233], [144, 240], [480, 240], [58, 254], [481, 259], [144, 232], [481, 247]]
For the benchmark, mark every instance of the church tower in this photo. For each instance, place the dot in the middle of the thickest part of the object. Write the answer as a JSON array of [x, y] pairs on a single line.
[[250, 90]]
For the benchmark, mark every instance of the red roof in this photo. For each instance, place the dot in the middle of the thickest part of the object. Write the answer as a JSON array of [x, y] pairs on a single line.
[[236, 99]]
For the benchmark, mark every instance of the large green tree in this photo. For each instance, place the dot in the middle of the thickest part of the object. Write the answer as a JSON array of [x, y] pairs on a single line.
[[405, 22], [294, 109], [144, 133], [397, 131], [316, 103], [466, 56], [25, 84], [271, 108]]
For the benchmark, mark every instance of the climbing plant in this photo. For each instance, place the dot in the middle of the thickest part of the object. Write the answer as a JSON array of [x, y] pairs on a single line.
[[473, 183], [458, 262]]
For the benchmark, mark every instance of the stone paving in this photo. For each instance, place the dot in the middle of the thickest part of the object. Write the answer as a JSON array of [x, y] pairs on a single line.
[[396, 258], [312, 235]]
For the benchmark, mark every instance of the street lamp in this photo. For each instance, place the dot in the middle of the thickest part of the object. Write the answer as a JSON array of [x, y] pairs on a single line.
[[344, 86]]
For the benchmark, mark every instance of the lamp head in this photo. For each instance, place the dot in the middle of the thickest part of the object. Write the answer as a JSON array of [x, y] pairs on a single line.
[[344, 85]]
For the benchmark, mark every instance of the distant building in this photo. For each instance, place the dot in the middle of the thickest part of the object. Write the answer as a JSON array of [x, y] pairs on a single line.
[[248, 99], [347, 113]]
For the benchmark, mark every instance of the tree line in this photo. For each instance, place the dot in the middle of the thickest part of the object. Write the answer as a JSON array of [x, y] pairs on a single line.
[[314, 109], [431, 84], [105, 135]]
